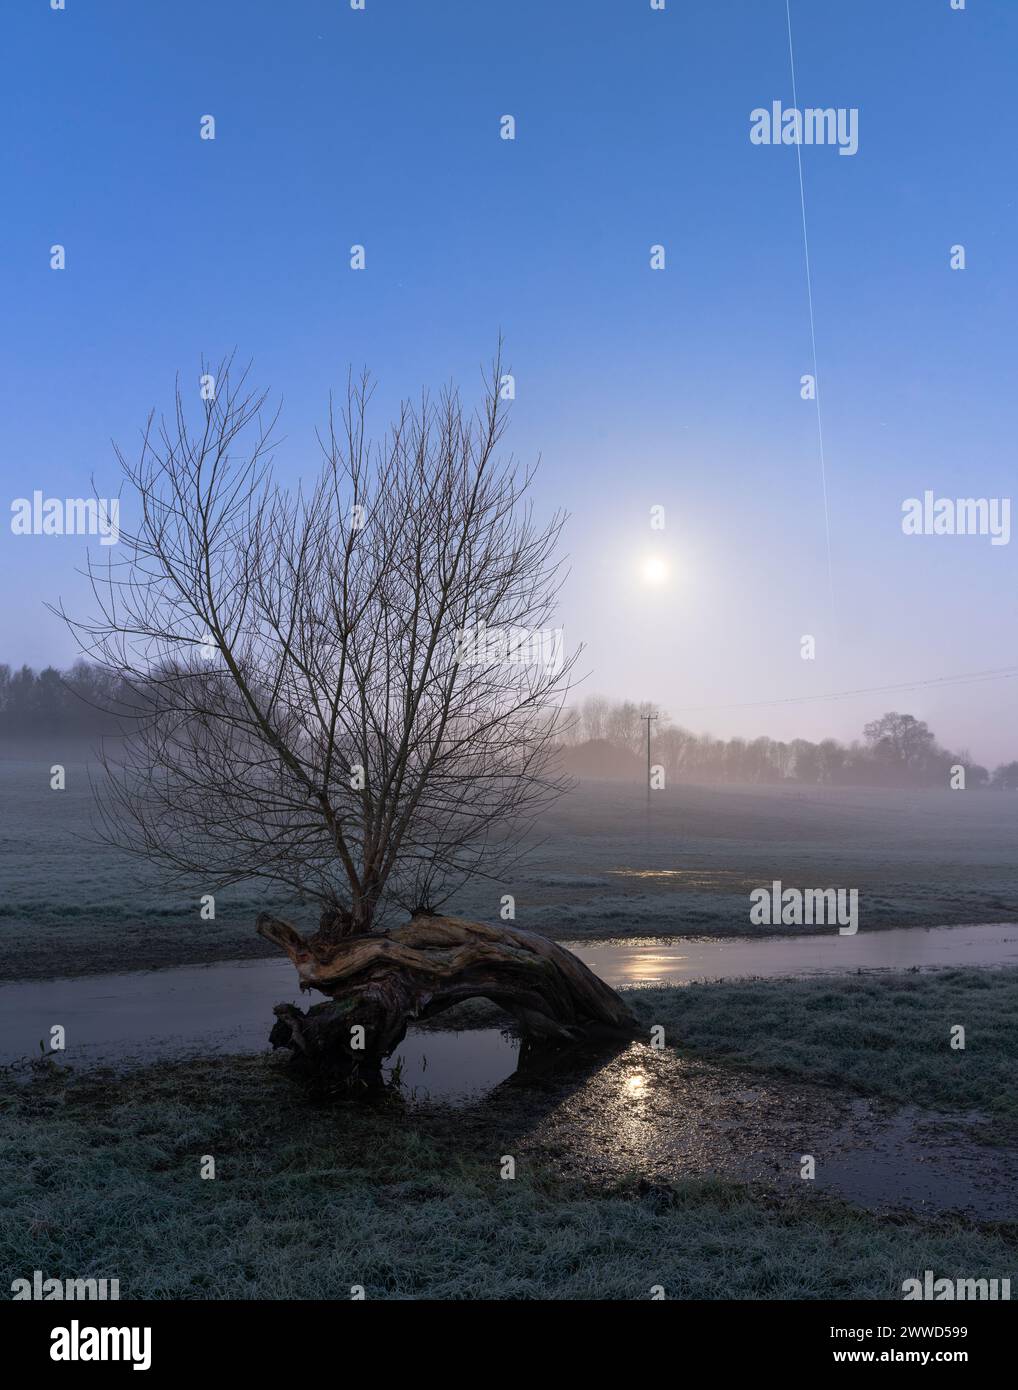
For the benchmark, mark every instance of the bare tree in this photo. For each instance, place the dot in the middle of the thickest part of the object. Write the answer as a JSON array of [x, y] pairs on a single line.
[[352, 690]]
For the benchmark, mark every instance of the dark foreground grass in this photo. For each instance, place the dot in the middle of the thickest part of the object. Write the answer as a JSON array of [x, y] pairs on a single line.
[[101, 1178], [886, 1035]]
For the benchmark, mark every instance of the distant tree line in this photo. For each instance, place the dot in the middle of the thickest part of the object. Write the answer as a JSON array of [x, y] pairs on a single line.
[[604, 738], [79, 701], [897, 750]]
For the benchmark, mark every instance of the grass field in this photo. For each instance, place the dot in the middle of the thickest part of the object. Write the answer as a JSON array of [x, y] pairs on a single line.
[[600, 871], [100, 1175], [308, 1203], [887, 1035]]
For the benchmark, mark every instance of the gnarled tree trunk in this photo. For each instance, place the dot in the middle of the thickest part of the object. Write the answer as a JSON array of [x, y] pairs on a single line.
[[381, 982]]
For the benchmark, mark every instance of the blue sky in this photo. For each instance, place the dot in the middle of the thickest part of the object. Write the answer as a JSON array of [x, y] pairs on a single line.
[[638, 387]]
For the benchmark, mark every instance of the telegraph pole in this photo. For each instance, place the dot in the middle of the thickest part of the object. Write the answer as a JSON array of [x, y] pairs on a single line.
[[648, 718]]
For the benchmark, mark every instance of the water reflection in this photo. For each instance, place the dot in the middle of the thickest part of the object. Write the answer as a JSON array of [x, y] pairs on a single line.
[[769, 957], [451, 1067]]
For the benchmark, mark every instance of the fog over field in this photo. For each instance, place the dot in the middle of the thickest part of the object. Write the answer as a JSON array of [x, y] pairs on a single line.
[[606, 862]]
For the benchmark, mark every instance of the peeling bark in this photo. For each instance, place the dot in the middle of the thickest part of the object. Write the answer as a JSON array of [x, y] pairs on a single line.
[[382, 982]]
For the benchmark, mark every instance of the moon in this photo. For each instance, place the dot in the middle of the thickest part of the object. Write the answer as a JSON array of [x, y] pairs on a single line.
[[654, 570]]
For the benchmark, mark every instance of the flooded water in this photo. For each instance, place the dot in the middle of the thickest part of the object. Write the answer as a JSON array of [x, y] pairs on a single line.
[[669, 1118], [650, 1111], [655, 963], [227, 1008]]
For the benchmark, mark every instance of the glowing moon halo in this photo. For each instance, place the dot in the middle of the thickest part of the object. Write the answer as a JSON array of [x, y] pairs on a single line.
[[654, 570]]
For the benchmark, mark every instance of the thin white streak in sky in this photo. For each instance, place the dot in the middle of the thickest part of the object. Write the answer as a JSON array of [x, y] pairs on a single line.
[[812, 325]]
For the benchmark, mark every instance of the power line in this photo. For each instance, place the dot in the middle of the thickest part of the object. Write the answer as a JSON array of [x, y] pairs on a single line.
[[1000, 673]]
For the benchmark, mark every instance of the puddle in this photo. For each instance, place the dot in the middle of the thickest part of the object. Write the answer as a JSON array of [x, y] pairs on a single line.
[[453, 1067], [167, 1013], [663, 1118], [922, 1161]]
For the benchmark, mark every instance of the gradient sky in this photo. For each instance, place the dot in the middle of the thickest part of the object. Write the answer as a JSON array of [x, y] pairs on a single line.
[[678, 388]]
